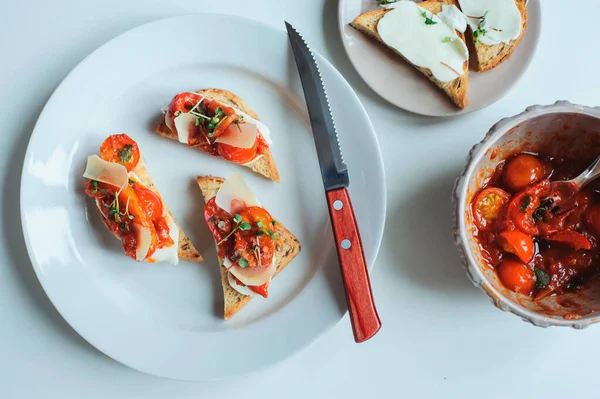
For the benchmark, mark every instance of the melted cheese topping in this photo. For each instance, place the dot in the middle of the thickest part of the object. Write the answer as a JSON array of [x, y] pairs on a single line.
[[502, 22], [424, 40]]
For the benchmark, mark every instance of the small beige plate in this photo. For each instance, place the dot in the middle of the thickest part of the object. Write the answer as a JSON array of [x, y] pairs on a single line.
[[402, 85]]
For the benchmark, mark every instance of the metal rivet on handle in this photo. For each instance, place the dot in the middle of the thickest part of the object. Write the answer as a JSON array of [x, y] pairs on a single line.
[[346, 244], [337, 205]]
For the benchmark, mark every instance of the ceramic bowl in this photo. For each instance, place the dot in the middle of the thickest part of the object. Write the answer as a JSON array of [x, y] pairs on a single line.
[[573, 129]]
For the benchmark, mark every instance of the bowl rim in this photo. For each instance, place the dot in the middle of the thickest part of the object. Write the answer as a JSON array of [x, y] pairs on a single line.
[[476, 276]]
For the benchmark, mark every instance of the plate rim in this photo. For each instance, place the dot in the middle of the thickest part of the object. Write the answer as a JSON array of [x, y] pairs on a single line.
[[28, 153], [457, 112]]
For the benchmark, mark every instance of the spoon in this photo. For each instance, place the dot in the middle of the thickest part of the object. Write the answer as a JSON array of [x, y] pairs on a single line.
[[562, 192]]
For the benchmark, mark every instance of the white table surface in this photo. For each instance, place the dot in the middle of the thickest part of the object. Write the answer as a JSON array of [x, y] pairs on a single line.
[[441, 337]]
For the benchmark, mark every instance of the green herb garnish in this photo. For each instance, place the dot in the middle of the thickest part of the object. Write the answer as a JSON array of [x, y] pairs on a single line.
[[95, 185], [428, 21], [243, 262], [260, 225], [239, 225], [125, 153], [447, 39], [480, 31], [525, 203], [542, 279], [274, 222]]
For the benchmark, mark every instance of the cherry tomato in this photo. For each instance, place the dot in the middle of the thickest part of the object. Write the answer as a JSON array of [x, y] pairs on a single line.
[[149, 201], [237, 155], [571, 239], [183, 103], [522, 171], [516, 276], [521, 208], [261, 290], [122, 149], [592, 217], [517, 243], [489, 205]]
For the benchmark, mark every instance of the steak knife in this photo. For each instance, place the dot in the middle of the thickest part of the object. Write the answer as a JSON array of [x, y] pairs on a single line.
[[359, 296]]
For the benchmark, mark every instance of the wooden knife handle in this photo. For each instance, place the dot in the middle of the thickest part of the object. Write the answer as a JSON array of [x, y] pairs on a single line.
[[363, 315]]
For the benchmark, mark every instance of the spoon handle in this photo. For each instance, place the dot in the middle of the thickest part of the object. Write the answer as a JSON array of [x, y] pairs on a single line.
[[588, 175]]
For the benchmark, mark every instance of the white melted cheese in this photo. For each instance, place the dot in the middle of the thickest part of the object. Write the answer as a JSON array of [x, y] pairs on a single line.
[[235, 188], [185, 125], [242, 289], [502, 24], [239, 136], [262, 128], [106, 172], [436, 47], [256, 279], [453, 17], [143, 237]]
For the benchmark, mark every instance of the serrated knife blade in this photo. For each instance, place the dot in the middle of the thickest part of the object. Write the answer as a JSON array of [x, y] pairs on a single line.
[[355, 275], [331, 160]]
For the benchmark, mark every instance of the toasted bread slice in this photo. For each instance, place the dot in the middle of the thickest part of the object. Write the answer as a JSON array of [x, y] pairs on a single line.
[[486, 57], [455, 89], [264, 165], [286, 249], [186, 251]]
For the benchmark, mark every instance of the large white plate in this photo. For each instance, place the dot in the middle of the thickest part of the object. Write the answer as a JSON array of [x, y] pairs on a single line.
[[402, 85], [167, 320]]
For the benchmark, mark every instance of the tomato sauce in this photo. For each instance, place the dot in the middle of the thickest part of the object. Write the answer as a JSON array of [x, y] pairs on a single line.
[[539, 236], [247, 238]]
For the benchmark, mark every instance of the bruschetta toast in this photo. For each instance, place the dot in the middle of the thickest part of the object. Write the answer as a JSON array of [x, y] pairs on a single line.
[[252, 246], [220, 123], [496, 28], [416, 33], [131, 206]]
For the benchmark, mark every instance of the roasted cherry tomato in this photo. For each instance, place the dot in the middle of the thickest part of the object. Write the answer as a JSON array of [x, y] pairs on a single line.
[[237, 155], [571, 239], [516, 276], [149, 201], [522, 171], [262, 290], [517, 243], [489, 205], [120, 148], [183, 103], [255, 239], [524, 204]]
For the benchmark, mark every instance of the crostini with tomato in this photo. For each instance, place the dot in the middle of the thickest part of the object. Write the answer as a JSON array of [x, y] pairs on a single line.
[[131, 206], [252, 246], [220, 123]]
